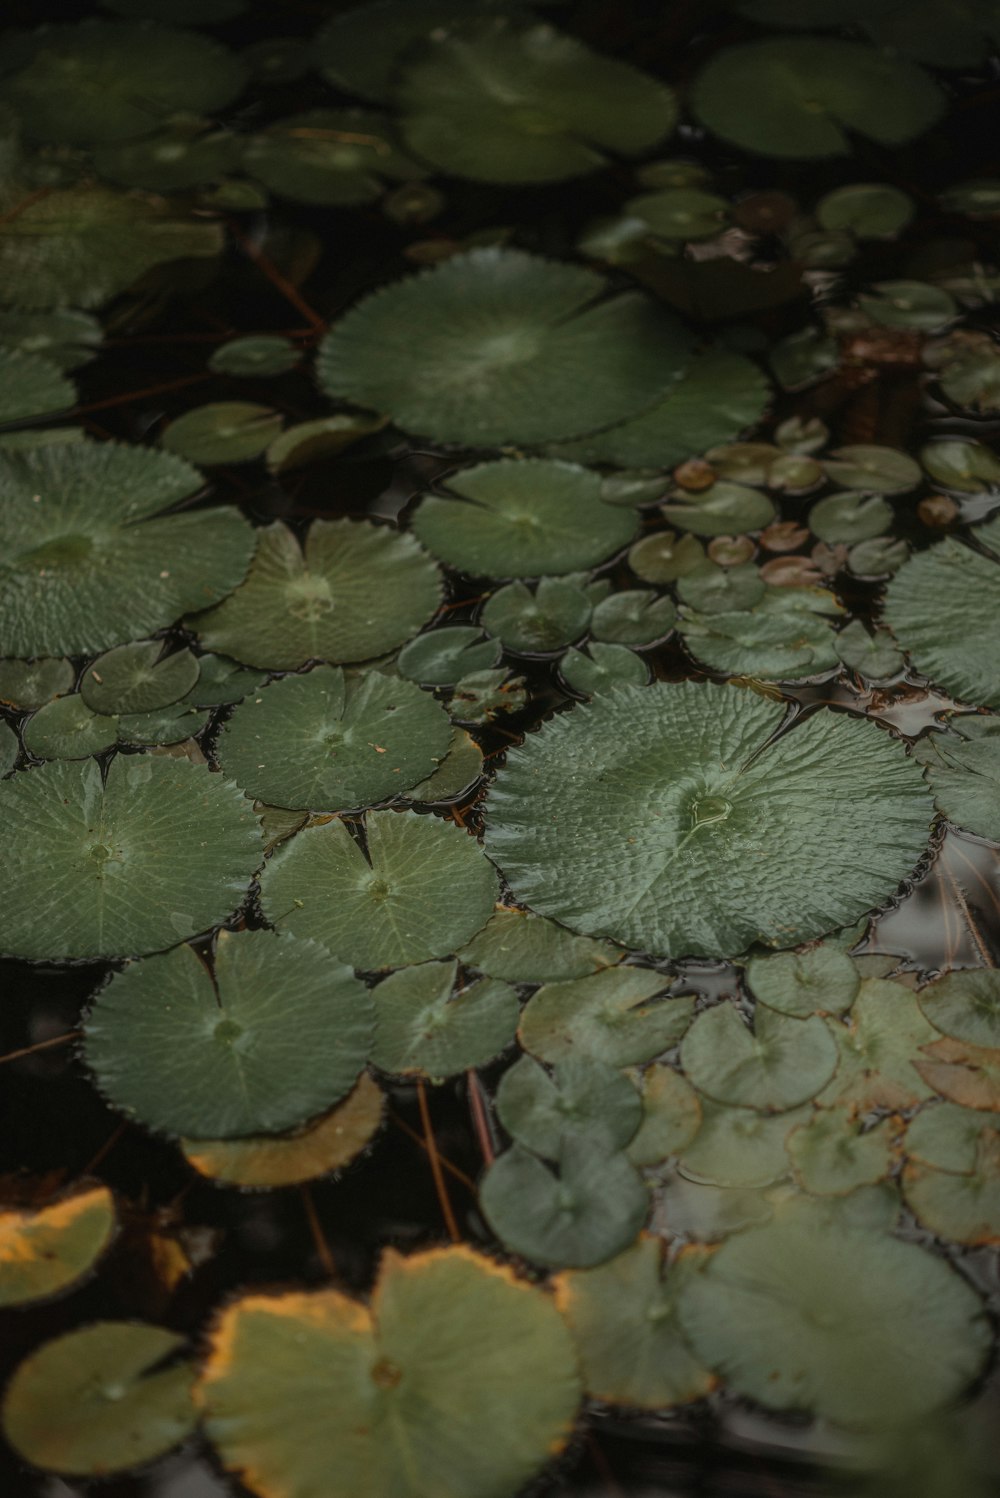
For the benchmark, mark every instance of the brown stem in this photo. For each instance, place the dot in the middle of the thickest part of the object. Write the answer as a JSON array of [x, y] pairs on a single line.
[[435, 1163], [41, 1045], [452, 1170], [480, 1117], [138, 395], [318, 1236], [278, 281]]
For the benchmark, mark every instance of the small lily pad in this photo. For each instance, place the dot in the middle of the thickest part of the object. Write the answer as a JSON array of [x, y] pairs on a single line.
[[963, 1073], [635, 616], [582, 1098], [484, 695], [537, 622], [138, 678], [724, 509], [961, 464], [524, 948], [834, 1153], [849, 517], [784, 637], [802, 358], [664, 557], [960, 1208], [875, 656], [222, 682], [183, 155], [441, 657], [44, 1250], [782, 1062], [34, 683], [868, 210], [963, 769], [945, 1136], [222, 432], [880, 1050], [602, 667], [680, 213], [965, 1005], [258, 355], [317, 441], [68, 729], [720, 590], [332, 157], [457, 773], [671, 1116], [620, 1016], [426, 1028], [739, 1148], [881, 470], [909, 304], [820, 980], [880, 557], [165, 725]]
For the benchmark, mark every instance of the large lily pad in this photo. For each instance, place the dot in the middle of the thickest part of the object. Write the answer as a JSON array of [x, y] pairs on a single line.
[[426, 1028], [89, 560], [312, 1392], [159, 851], [420, 890], [355, 591], [963, 768], [783, 1061], [323, 742], [498, 346], [634, 817], [45, 1249]]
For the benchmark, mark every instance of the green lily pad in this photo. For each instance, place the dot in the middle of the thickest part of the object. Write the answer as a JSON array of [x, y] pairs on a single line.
[[880, 1048], [332, 157], [803, 357], [967, 365], [66, 338], [821, 980], [909, 304], [880, 470], [782, 1062], [945, 1136], [442, 657], [161, 850], [165, 725], [721, 590], [183, 155], [316, 441], [138, 678], [680, 213], [834, 1153], [717, 398], [963, 769], [686, 1209], [849, 517], [499, 102], [739, 1148], [621, 1016], [671, 1116], [786, 636], [601, 668], [265, 1161], [960, 464], [490, 348], [212, 1055], [421, 892], [522, 519], [537, 622], [633, 617], [68, 729], [10, 748], [426, 1028], [623, 1317], [797, 97], [457, 773], [88, 557], [222, 682], [875, 656], [355, 591], [961, 1208], [675, 784], [524, 948], [45, 1250], [878, 558], [582, 1098], [222, 432], [965, 1005], [942, 607], [581, 1216], [34, 683], [257, 355], [850, 1324], [326, 742], [868, 210], [109, 80], [99, 1400], [30, 387], [483, 695], [313, 1392], [723, 510], [664, 557]]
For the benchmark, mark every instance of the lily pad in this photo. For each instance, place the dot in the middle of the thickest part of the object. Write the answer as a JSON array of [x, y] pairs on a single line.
[[427, 1029], [802, 358], [583, 1098], [880, 1050], [869, 210], [10, 748], [316, 441], [875, 656], [739, 1148], [484, 695], [524, 948], [963, 1073], [786, 636], [159, 851], [601, 668], [821, 980], [263, 1161], [965, 1005], [961, 464], [849, 517], [676, 785], [498, 346], [961, 1208], [45, 1250], [945, 1136], [421, 890], [89, 559], [881, 470], [216, 1055], [680, 213], [797, 97], [782, 1062], [183, 155], [671, 1117], [538, 622], [138, 678], [257, 355], [724, 509], [722, 590], [68, 729], [499, 102], [355, 591], [326, 742], [909, 304], [165, 725], [623, 1317], [222, 682], [31, 387], [441, 657], [98, 1400], [34, 683], [222, 432], [834, 1153], [664, 557], [456, 775], [635, 616], [311, 1392], [522, 519], [332, 157], [963, 769], [66, 338], [621, 1016]]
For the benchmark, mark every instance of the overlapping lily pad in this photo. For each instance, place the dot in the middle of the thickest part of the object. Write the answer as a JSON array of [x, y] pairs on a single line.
[[621, 1015], [425, 1027], [138, 678], [965, 1005], [45, 1249], [783, 1061], [334, 157], [881, 1050], [524, 948], [583, 1097], [833, 1153], [68, 729], [787, 635], [963, 768], [538, 621], [821, 980], [738, 1148], [33, 683]]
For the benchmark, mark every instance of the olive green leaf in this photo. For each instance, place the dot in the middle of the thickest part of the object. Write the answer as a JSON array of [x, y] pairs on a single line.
[[138, 678], [736, 1147], [522, 519], [721, 590], [968, 370], [880, 1049], [499, 102], [333, 157], [264, 1161], [850, 1324], [161, 850], [671, 1116], [786, 636], [99, 1399], [664, 557], [942, 607], [963, 770], [164, 725], [880, 557], [880, 470], [540, 621], [621, 1015], [875, 655], [782, 1062], [945, 1136], [68, 729], [803, 357], [325, 742], [313, 1392], [44, 1250], [680, 782], [355, 591], [583, 1097], [680, 213], [635, 616], [422, 888], [524, 948], [909, 304], [963, 1208], [66, 337], [685, 1209], [499, 346], [623, 1317], [90, 560], [820, 980], [961, 464], [965, 1005], [868, 210], [275, 1034], [34, 683], [185, 154], [10, 748], [426, 1028], [798, 96], [833, 1153], [602, 667], [441, 657], [724, 509], [30, 386], [457, 773], [483, 695], [932, 31], [581, 1216], [222, 432], [848, 516], [316, 441], [258, 354]]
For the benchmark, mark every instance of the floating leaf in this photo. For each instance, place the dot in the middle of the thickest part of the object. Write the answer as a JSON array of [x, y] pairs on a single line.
[[623, 1317], [216, 1055], [603, 667], [97, 1399], [498, 346], [963, 769], [68, 729], [422, 891], [620, 1016], [875, 655], [633, 617], [333, 157], [587, 1213], [803, 357], [501, 103], [850, 1324], [262, 1161], [946, 1137], [880, 1050], [786, 636], [849, 517], [681, 213], [183, 155], [326, 742], [797, 97], [524, 948], [222, 432], [442, 657], [311, 1392], [90, 560], [881, 470], [736, 1147], [869, 210], [66, 338], [820, 980], [260, 354], [939, 33], [719, 590], [689, 1209], [878, 558], [457, 773], [522, 519], [425, 1028], [680, 782], [316, 441], [138, 678], [722, 510], [222, 682], [166, 725], [355, 591], [671, 1116], [537, 622], [31, 387], [960, 464], [583, 1098], [965, 1074], [46, 1249], [10, 748], [783, 1061], [482, 695], [834, 1153], [962, 1208], [965, 1005], [664, 557], [34, 683], [158, 852], [909, 304]]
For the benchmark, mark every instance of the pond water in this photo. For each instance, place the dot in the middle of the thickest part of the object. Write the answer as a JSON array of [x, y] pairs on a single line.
[[833, 305]]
